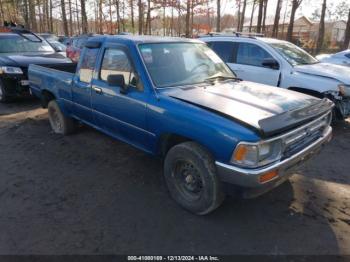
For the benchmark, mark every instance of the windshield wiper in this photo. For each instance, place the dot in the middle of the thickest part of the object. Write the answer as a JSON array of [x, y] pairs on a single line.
[[221, 77]]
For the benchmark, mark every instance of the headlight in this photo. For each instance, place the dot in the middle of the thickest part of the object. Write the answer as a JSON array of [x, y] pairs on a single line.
[[257, 154], [344, 90], [10, 70]]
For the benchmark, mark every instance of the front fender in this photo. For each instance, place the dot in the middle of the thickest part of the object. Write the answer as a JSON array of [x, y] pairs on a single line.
[[320, 84]]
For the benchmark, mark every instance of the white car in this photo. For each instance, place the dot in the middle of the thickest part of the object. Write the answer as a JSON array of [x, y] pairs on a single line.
[[341, 58], [283, 64]]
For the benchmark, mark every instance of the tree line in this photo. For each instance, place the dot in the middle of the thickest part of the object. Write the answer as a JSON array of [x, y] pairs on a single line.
[[172, 17]]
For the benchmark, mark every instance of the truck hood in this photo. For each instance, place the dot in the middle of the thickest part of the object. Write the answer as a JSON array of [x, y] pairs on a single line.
[[24, 60], [337, 72], [266, 109]]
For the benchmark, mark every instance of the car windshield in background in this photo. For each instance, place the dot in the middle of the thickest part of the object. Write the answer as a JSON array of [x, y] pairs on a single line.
[[293, 54], [19, 44], [173, 64], [58, 45]]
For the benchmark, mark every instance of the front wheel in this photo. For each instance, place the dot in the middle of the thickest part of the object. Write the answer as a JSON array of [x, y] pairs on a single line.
[[191, 178], [60, 124]]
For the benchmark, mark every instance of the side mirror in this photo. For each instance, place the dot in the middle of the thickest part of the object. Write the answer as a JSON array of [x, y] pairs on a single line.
[[270, 63], [117, 80]]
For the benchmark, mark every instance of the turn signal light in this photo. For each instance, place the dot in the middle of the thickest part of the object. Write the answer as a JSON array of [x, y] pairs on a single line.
[[268, 176]]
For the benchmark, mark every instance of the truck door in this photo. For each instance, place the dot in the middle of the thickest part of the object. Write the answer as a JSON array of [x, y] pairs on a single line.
[[248, 65], [81, 90], [122, 114]]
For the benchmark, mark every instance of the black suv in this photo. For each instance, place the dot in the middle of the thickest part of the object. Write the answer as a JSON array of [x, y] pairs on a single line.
[[18, 49]]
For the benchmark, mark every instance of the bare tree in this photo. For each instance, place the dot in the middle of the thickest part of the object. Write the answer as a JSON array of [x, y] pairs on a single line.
[[218, 15], [84, 22], [147, 29], [70, 17], [264, 16], [32, 15], [117, 5], [50, 16], [243, 15], [110, 17], [251, 16], [132, 16], [188, 13], [295, 5], [260, 15], [64, 17], [140, 16], [277, 18], [320, 37], [347, 33], [100, 29]]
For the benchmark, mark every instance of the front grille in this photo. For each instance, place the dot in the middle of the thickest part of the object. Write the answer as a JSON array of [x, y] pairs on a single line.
[[295, 142]]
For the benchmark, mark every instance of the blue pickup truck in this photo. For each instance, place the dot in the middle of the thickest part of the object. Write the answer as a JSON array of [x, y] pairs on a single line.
[[175, 98]]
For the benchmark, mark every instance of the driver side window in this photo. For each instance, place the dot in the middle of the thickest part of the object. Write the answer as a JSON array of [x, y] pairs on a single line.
[[251, 54], [116, 62]]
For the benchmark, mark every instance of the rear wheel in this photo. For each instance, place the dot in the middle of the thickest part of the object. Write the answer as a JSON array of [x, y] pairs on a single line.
[[60, 124], [191, 178]]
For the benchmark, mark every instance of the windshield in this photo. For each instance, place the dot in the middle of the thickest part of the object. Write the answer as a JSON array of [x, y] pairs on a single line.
[[293, 54], [19, 44], [172, 64]]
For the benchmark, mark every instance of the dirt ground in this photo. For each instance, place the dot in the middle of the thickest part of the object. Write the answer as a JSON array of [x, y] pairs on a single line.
[[90, 194]]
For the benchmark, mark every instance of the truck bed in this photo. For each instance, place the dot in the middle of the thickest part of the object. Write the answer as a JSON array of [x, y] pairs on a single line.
[[54, 78]]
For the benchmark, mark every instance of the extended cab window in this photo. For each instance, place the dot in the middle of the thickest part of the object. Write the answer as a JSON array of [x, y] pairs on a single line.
[[116, 62], [88, 64], [224, 49], [251, 54]]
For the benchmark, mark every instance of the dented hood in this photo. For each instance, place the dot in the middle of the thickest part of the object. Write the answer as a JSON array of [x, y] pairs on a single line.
[[336, 72], [266, 109]]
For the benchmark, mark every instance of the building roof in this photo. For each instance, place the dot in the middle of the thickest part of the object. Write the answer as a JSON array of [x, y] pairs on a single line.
[[271, 19]]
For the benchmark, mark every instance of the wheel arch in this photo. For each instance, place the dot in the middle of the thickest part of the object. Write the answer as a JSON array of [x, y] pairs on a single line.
[[168, 140], [46, 97]]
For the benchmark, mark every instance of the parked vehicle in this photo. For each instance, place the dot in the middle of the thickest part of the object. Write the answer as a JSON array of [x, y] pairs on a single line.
[[64, 40], [283, 64], [341, 58], [75, 46], [48, 36], [18, 49], [177, 99], [58, 47]]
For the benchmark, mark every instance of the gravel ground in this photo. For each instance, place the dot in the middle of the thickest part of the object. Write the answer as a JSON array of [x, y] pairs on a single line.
[[90, 194]]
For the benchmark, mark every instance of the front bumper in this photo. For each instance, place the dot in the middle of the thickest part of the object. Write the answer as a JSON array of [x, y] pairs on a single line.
[[16, 85], [343, 106], [250, 178]]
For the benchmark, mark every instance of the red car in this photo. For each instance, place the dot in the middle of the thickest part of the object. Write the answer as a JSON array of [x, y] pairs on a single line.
[[75, 46]]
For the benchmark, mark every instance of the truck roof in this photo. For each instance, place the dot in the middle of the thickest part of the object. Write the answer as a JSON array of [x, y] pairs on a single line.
[[137, 39]]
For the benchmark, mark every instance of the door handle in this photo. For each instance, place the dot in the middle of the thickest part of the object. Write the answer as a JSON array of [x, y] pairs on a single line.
[[97, 90]]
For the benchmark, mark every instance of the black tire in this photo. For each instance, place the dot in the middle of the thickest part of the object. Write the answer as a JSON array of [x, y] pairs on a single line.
[[191, 178], [60, 124], [3, 94]]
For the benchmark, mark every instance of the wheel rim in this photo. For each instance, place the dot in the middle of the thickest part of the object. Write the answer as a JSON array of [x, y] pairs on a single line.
[[55, 120], [188, 180]]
